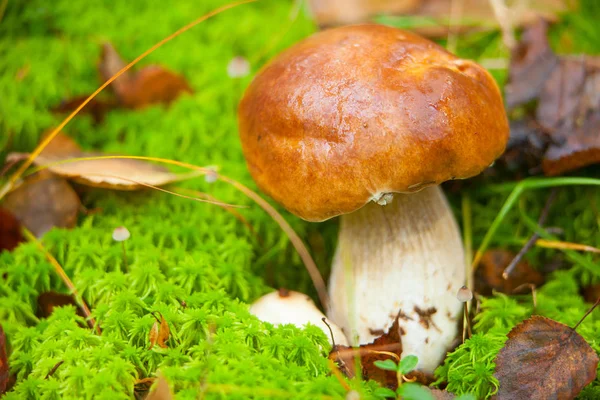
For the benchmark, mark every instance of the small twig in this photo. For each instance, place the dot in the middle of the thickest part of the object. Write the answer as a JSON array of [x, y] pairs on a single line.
[[65, 278], [53, 370], [587, 313], [330, 331], [534, 238]]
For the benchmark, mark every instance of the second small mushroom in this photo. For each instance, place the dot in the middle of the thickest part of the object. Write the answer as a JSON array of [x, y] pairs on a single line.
[[365, 122]]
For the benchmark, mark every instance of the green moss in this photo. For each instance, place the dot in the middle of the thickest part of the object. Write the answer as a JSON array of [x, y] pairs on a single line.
[[194, 263]]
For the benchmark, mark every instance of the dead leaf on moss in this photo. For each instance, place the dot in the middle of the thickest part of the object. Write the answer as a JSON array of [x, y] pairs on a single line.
[[544, 359], [159, 333], [488, 276], [161, 390], [10, 230], [382, 348], [47, 301], [4, 370], [150, 85], [110, 173], [441, 394], [44, 201], [567, 90]]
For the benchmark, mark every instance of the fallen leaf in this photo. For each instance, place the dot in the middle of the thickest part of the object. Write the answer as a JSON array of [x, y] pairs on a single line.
[[430, 17], [4, 370], [488, 276], [159, 333], [378, 350], [591, 293], [10, 230], [44, 201], [441, 394], [161, 391], [544, 359], [97, 108], [114, 173], [47, 301], [150, 85], [567, 90]]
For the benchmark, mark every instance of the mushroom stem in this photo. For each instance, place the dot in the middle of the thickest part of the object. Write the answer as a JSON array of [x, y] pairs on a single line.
[[405, 256]]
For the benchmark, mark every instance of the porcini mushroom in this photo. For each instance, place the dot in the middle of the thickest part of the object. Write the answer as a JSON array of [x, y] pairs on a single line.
[[289, 307], [365, 122]]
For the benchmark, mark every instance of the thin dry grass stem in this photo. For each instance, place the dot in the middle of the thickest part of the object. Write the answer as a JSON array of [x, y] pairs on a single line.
[[338, 375], [456, 10], [65, 278], [532, 287], [557, 244], [36, 152], [297, 242], [215, 202], [309, 263], [502, 14]]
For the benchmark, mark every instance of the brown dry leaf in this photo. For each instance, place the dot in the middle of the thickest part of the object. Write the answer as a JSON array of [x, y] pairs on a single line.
[[159, 333], [389, 342], [10, 230], [42, 202], [150, 85], [4, 370], [47, 301], [591, 293], [161, 391], [544, 359], [114, 173], [568, 93], [488, 276], [468, 14]]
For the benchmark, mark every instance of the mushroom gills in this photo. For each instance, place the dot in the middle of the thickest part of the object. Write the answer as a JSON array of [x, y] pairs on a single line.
[[405, 258]]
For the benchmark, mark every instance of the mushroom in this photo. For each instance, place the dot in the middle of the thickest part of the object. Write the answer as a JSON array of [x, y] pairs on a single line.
[[289, 307], [365, 122]]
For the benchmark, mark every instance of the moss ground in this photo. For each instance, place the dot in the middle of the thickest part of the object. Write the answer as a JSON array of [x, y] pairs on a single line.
[[197, 253]]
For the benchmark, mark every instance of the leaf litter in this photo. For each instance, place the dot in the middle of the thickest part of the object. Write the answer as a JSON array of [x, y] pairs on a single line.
[[544, 359], [566, 119]]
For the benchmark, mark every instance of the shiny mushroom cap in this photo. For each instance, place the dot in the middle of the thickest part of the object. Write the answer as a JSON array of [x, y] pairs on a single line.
[[351, 114]]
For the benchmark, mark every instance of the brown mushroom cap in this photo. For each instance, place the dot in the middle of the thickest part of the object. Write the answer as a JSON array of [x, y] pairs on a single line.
[[354, 112]]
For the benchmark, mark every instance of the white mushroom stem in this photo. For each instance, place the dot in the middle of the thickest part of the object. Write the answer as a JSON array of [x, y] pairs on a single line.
[[289, 307], [407, 257]]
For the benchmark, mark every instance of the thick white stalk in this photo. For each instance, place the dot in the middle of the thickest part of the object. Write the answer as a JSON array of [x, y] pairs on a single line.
[[405, 257]]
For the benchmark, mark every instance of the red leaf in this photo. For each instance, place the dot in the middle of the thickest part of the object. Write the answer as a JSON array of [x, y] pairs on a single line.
[[388, 343], [544, 359]]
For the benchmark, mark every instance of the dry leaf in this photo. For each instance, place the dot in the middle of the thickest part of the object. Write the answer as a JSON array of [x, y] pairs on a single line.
[[159, 333], [47, 301], [544, 359], [42, 202], [441, 394], [389, 342], [488, 276], [150, 85], [4, 370], [115, 173], [10, 230], [568, 93], [591, 293], [161, 391]]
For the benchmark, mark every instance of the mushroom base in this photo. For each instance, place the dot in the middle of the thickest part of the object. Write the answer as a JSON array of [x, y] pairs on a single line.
[[405, 258]]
